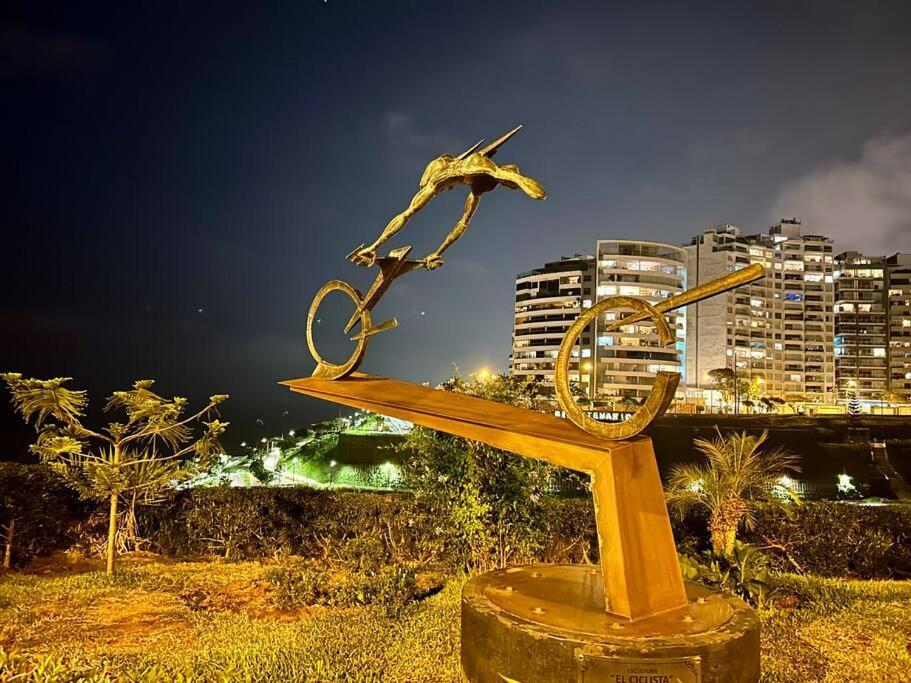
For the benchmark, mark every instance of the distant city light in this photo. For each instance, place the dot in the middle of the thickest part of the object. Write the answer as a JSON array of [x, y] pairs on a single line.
[[845, 485], [785, 487]]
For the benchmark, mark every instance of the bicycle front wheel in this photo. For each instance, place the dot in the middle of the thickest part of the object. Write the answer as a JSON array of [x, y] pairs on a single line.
[[324, 368]]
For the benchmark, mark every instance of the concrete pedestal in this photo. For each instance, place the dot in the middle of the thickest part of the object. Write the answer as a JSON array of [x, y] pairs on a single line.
[[547, 624]]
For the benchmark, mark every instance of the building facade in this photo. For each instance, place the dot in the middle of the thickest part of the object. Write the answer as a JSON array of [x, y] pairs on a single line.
[[607, 365], [898, 286], [873, 327], [548, 301], [861, 326], [778, 331], [626, 360]]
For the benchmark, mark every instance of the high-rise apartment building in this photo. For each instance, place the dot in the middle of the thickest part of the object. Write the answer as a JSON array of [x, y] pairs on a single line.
[[548, 300], [626, 360], [861, 326], [777, 331], [613, 364], [898, 286]]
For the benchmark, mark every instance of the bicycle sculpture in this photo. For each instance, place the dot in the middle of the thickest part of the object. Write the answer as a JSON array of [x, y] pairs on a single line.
[[474, 168]]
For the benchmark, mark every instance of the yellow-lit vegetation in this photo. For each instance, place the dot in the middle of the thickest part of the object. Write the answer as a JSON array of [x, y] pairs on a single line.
[[216, 621]]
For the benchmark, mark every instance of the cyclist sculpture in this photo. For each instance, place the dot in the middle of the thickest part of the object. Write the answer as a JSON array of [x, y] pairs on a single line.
[[473, 168]]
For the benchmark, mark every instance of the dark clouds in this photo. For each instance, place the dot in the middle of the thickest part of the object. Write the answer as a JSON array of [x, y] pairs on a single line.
[[159, 161]]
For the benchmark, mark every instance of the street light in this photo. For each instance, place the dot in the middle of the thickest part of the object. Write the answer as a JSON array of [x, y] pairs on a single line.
[[485, 374]]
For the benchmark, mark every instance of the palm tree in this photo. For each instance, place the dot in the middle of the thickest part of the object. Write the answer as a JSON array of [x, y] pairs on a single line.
[[738, 475]]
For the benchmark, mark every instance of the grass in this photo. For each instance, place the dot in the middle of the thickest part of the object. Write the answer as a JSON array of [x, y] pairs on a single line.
[[842, 631], [211, 621]]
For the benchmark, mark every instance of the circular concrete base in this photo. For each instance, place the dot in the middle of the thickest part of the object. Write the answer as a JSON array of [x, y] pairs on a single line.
[[548, 623]]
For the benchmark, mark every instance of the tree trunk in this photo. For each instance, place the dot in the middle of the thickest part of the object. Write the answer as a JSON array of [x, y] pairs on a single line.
[[112, 535], [8, 553], [718, 534], [723, 525], [112, 521]]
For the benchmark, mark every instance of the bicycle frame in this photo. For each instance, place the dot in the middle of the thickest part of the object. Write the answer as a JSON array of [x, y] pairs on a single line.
[[392, 266]]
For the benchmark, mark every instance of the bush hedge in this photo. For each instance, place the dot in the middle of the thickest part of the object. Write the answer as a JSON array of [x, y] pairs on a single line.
[[264, 522], [373, 529], [43, 513], [828, 539], [839, 540]]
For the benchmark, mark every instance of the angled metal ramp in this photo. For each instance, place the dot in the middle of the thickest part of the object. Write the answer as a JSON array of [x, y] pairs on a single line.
[[526, 432], [639, 559]]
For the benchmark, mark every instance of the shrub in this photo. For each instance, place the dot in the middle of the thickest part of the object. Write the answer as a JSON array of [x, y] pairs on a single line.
[[364, 554], [297, 585], [840, 539], [302, 584], [570, 533], [39, 508], [394, 587], [745, 572], [489, 503]]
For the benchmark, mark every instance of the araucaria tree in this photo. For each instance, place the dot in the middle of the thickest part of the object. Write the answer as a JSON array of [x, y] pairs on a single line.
[[153, 448], [738, 475]]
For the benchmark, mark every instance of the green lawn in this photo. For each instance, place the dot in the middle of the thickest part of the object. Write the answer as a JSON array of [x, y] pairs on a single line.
[[218, 621]]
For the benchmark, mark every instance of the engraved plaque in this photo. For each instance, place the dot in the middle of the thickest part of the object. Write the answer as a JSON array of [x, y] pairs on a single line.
[[595, 669]]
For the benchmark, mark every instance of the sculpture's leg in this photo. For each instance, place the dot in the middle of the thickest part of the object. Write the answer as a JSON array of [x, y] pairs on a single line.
[[638, 556], [367, 255], [435, 259]]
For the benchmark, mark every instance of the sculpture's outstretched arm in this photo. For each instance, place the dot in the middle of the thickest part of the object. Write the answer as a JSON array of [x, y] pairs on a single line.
[[435, 260], [365, 256]]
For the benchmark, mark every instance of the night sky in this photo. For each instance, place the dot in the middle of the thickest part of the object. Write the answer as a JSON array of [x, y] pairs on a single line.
[[178, 182]]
